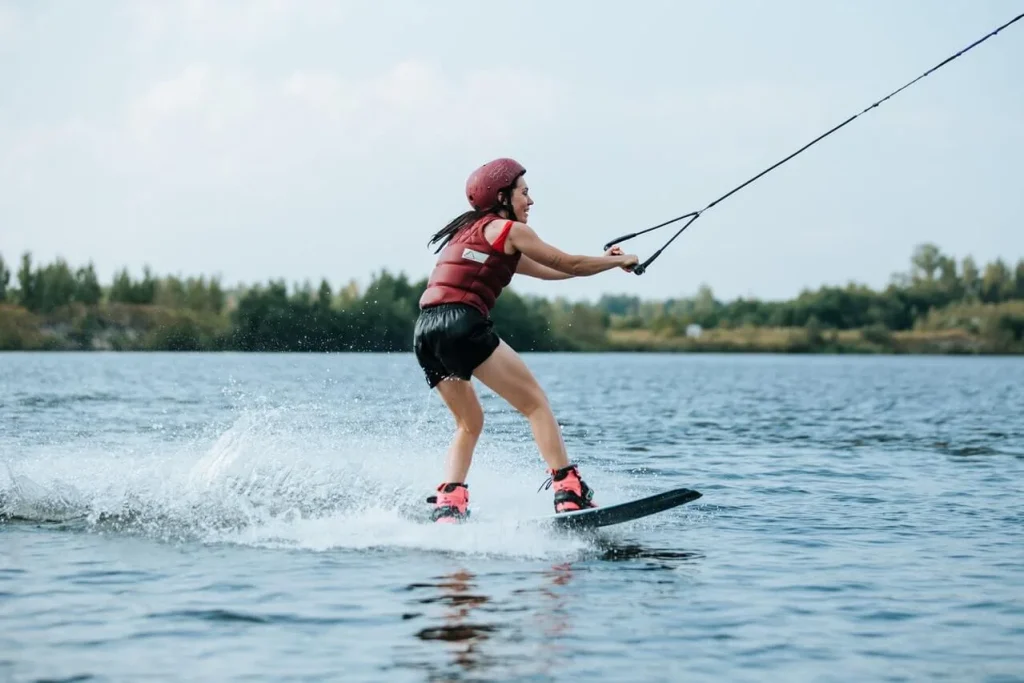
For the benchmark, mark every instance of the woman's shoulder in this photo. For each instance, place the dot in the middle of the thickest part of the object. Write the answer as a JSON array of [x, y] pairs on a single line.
[[496, 232]]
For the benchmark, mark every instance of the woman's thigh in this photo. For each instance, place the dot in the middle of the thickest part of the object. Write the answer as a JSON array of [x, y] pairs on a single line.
[[505, 373]]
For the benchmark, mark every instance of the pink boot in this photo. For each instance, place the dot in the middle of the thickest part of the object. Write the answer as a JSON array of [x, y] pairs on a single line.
[[571, 492], [451, 504]]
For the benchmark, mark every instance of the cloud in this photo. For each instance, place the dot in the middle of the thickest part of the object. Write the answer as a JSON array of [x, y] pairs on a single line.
[[215, 124], [183, 95], [415, 103], [211, 128]]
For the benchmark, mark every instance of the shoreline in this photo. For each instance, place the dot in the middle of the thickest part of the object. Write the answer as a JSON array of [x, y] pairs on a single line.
[[142, 328], [941, 306]]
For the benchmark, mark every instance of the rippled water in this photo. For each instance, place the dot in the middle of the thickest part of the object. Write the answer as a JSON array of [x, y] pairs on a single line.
[[258, 517]]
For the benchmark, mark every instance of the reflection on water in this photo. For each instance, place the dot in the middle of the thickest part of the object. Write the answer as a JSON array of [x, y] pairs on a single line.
[[553, 618], [657, 558], [460, 626], [471, 630]]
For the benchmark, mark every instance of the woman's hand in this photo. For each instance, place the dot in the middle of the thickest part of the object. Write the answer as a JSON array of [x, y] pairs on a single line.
[[630, 261]]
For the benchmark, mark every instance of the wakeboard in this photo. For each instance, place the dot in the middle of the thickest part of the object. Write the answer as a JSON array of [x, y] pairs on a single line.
[[592, 518]]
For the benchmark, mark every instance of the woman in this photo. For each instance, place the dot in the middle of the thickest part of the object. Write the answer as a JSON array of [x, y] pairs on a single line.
[[480, 251]]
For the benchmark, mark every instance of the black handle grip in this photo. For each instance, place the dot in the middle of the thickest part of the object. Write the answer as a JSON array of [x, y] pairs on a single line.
[[610, 244]]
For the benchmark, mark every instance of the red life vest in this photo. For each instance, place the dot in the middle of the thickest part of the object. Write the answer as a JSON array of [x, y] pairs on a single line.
[[470, 270]]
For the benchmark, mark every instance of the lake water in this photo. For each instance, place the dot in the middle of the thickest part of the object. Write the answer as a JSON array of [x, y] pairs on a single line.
[[257, 517]]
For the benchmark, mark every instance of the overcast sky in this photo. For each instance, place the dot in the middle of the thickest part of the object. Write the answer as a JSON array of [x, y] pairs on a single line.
[[266, 139]]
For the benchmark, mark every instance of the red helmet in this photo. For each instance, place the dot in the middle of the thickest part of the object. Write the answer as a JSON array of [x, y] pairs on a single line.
[[484, 183]]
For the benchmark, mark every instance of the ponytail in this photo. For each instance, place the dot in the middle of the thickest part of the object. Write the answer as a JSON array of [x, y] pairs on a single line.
[[445, 234]]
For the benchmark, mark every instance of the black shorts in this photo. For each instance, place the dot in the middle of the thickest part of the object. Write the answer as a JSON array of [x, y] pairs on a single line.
[[451, 340]]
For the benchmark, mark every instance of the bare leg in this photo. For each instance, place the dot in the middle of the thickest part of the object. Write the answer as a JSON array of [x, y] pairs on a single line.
[[469, 423], [507, 375]]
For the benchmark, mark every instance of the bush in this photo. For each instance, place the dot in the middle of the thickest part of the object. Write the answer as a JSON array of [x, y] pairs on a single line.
[[876, 333]]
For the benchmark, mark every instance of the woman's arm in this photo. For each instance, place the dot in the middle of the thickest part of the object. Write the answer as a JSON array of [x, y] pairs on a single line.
[[527, 266], [524, 239]]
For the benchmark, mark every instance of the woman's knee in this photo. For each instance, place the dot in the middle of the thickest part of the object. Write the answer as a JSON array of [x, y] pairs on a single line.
[[471, 421], [532, 400], [506, 374], [464, 405]]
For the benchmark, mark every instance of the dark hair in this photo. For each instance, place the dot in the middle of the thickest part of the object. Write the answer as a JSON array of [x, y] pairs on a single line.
[[445, 234]]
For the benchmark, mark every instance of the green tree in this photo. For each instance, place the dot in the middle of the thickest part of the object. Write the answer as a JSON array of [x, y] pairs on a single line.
[[28, 284], [197, 294], [170, 292], [387, 287], [926, 260], [971, 279], [304, 294], [949, 281], [588, 325], [324, 296], [261, 320], [127, 291], [1019, 280], [705, 307], [524, 323], [619, 304], [122, 289], [5, 279], [215, 296], [997, 283], [56, 286], [145, 293], [87, 286], [349, 294]]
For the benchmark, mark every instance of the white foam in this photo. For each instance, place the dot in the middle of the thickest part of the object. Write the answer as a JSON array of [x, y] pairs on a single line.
[[384, 528], [287, 477]]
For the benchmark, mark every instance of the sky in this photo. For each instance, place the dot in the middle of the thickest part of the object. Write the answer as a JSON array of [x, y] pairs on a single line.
[[301, 140]]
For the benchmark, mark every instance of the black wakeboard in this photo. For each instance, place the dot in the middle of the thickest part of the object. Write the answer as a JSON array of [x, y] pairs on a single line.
[[592, 518]]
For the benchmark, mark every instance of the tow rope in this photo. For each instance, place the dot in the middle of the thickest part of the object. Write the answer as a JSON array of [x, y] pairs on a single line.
[[694, 215]]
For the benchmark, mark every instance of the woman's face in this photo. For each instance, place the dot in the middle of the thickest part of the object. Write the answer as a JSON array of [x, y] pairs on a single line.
[[521, 200]]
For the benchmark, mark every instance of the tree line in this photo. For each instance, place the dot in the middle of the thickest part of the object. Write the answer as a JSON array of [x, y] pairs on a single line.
[[57, 306]]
